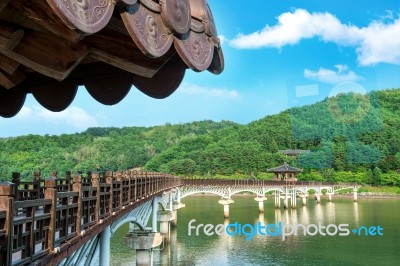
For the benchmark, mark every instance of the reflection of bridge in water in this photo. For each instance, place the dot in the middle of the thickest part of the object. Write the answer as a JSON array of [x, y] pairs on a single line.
[[70, 220]]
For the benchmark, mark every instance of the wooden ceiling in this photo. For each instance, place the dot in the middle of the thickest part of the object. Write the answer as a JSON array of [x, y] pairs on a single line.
[[50, 47]]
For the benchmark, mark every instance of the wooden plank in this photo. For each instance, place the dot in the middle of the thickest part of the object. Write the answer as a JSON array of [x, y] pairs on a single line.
[[10, 81], [31, 203], [7, 64]]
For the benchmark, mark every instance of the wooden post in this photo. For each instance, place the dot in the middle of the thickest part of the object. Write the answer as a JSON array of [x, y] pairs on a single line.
[[77, 187], [135, 180], [37, 185], [16, 180], [128, 177], [7, 197], [109, 180], [50, 192], [96, 184], [68, 178], [120, 182]]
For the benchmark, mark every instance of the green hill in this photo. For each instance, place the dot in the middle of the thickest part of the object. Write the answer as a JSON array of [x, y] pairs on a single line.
[[352, 137]]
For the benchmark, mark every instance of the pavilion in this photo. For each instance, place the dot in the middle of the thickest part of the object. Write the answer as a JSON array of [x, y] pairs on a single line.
[[285, 172]]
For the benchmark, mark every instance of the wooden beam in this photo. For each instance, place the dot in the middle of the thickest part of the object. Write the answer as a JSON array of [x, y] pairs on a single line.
[[9, 37], [40, 12], [44, 53], [7, 64]]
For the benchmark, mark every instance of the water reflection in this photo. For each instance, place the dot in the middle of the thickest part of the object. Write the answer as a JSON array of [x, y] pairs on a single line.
[[268, 250], [356, 214]]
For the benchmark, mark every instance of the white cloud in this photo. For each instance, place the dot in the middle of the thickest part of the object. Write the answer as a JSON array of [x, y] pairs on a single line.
[[377, 43], [343, 74], [25, 113], [208, 92], [222, 39], [74, 117]]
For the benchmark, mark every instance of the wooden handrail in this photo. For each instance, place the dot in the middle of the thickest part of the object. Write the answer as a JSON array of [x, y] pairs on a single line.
[[47, 219]]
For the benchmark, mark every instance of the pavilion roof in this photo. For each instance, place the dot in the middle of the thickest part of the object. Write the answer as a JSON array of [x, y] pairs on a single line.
[[49, 48], [285, 168]]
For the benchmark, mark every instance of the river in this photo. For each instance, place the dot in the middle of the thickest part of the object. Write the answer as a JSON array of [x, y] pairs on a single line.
[[377, 243]]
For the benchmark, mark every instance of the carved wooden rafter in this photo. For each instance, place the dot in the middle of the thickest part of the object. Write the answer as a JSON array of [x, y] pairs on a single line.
[[49, 48]]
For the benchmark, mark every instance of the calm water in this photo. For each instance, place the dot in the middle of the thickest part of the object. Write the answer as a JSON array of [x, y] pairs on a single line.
[[267, 250]]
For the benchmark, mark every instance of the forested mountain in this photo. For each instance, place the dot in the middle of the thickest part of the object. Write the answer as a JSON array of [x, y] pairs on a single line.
[[352, 137], [96, 148]]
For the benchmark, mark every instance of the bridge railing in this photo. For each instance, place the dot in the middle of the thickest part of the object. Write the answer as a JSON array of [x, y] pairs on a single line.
[[250, 182], [48, 219]]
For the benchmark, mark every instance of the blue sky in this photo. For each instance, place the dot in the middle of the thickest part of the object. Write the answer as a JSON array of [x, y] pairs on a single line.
[[278, 54]]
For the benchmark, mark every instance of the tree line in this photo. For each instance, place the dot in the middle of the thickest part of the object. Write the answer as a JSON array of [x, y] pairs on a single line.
[[352, 137]]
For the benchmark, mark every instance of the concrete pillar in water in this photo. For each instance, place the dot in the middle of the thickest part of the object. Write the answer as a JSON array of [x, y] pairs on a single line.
[[277, 199], [294, 199], [318, 197], [355, 197], [174, 220], [154, 216], [260, 203], [176, 206], [285, 202], [304, 199], [165, 217], [105, 237], [330, 197], [226, 203], [143, 243]]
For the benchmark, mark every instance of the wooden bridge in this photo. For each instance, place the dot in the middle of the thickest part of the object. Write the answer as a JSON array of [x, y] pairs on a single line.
[[63, 221], [46, 220]]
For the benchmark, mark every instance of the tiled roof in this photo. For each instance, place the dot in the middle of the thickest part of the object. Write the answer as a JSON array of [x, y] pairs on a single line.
[[285, 168], [49, 48]]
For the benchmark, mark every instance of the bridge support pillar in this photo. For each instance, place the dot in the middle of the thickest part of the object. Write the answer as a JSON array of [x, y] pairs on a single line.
[[165, 217], [105, 237], [318, 198], [304, 199], [176, 207], [143, 243], [226, 203], [277, 199], [355, 196], [154, 216], [330, 197], [286, 198], [260, 203], [293, 199]]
